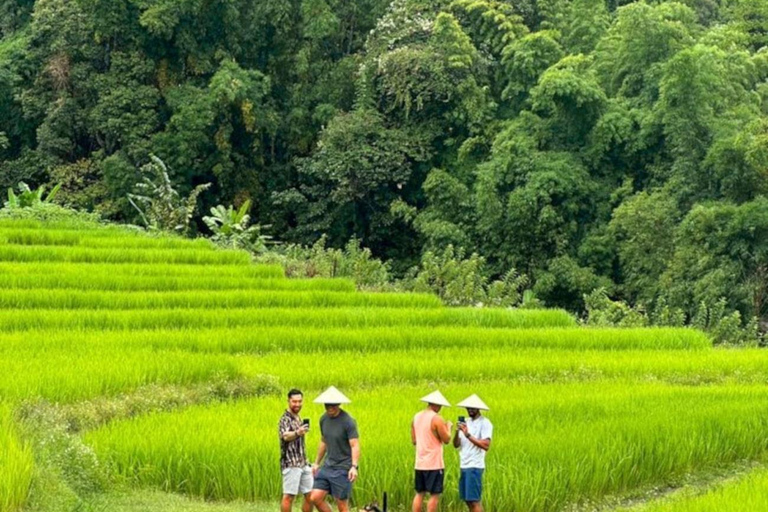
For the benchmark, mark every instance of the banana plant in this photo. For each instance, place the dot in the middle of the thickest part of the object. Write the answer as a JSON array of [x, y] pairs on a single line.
[[159, 204], [28, 198], [230, 227]]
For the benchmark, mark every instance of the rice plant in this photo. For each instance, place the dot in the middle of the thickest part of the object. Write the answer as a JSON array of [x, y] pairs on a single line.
[[207, 318], [106, 282], [77, 299], [16, 464], [59, 224], [79, 371], [100, 239], [21, 253], [99, 269], [555, 444], [747, 494], [262, 340], [542, 365]]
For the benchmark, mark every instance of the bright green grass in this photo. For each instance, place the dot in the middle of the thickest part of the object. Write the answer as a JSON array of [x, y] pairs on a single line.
[[100, 239], [101, 319], [154, 501], [98, 299], [555, 444], [87, 281], [67, 366], [16, 464], [62, 224], [324, 340], [749, 494], [696, 367], [137, 269], [20, 253], [78, 371]]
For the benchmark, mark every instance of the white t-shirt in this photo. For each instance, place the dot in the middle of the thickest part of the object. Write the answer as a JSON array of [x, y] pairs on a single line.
[[471, 456]]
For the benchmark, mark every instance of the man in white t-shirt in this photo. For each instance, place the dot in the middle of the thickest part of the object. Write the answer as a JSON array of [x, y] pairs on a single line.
[[473, 440]]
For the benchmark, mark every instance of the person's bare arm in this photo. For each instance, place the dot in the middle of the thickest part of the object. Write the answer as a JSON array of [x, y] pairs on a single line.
[[456, 440], [442, 429], [320, 455], [413, 435], [292, 435], [355, 445], [321, 451], [286, 434], [483, 444]]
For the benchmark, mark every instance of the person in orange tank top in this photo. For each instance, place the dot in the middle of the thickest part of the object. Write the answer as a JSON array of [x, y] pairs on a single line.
[[429, 432]]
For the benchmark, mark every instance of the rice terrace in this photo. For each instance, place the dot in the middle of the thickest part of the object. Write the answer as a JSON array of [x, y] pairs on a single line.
[[147, 372]]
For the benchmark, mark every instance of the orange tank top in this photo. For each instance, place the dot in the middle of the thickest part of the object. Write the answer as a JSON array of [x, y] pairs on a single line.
[[429, 448]]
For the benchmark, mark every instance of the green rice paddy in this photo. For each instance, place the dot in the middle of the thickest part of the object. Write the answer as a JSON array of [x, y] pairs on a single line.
[[747, 494], [581, 414]]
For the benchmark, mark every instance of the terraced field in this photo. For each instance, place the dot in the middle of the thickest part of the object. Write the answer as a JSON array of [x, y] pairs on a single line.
[[95, 315]]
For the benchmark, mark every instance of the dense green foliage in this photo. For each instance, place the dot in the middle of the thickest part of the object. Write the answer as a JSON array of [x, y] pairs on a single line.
[[580, 144]]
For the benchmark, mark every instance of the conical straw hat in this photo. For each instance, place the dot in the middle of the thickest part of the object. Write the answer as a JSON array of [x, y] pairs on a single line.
[[436, 398], [473, 402], [332, 396]]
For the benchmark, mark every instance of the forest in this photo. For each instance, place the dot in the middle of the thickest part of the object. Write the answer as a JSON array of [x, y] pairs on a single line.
[[602, 151]]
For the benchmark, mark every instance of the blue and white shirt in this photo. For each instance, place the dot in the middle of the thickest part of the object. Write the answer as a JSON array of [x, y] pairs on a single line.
[[471, 456]]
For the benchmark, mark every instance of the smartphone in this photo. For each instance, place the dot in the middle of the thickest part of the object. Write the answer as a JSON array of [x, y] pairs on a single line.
[[462, 419], [306, 423]]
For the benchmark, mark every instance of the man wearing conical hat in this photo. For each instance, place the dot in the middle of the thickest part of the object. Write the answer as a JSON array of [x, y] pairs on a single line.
[[339, 453], [473, 440], [429, 432]]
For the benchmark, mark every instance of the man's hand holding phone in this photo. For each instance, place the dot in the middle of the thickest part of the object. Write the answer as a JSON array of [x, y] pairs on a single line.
[[463, 425]]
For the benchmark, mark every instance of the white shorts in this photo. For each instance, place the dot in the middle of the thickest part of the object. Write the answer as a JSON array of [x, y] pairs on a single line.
[[297, 481]]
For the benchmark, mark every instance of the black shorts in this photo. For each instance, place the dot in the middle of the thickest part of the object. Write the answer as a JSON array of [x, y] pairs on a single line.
[[429, 481], [334, 481]]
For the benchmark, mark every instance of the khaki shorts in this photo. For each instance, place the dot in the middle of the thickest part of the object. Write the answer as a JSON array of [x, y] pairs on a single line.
[[297, 481]]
